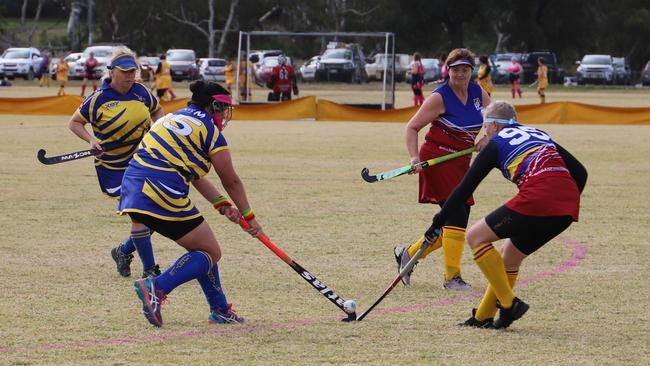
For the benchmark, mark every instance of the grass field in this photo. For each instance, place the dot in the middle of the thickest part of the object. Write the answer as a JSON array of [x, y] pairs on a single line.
[[63, 303]]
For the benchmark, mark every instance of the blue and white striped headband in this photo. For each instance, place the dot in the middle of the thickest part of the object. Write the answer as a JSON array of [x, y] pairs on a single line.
[[510, 121]]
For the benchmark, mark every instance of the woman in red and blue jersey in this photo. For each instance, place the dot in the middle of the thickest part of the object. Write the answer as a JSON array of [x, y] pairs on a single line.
[[453, 112], [179, 150], [550, 181], [120, 112]]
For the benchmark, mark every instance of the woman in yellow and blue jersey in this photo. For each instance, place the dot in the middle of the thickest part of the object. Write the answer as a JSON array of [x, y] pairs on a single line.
[[119, 112], [542, 79], [179, 150]]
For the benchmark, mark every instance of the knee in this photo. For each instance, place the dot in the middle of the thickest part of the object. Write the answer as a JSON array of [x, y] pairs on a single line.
[[215, 254], [472, 237]]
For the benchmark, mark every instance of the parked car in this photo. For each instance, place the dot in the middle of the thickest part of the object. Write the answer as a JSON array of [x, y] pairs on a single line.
[[307, 71], [431, 70], [375, 66], [622, 71], [257, 57], [71, 60], [645, 74], [529, 63], [21, 62], [342, 62], [263, 72], [212, 69], [103, 53], [596, 69], [182, 63]]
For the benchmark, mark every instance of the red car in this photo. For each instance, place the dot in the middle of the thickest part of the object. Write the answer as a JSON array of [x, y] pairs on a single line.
[[263, 71]]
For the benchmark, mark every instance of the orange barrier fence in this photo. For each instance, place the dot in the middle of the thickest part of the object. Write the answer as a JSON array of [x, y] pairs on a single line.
[[324, 110]]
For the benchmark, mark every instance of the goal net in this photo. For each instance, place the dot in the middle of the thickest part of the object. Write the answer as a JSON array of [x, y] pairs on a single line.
[[353, 68]]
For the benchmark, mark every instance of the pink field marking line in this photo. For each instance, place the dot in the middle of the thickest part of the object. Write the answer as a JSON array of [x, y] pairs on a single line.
[[579, 253]]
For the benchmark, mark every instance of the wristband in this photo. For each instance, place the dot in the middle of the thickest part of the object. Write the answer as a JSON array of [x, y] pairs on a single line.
[[248, 214], [221, 204]]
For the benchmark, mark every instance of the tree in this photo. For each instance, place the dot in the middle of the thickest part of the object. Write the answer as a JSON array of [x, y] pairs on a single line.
[[73, 25]]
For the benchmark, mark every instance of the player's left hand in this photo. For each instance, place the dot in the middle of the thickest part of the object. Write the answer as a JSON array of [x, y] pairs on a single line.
[[481, 143]]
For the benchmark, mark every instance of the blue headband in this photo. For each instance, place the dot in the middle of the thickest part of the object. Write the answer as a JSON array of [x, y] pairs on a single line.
[[124, 62], [510, 121]]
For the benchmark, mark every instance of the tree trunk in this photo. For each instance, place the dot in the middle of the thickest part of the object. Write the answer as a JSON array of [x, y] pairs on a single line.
[[73, 25], [226, 27], [91, 9], [211, 32], [37, 16], [23, 13]]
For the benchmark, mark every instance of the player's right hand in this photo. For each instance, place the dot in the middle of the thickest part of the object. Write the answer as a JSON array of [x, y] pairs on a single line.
[[94, 145], [255, 229], [415, 167]]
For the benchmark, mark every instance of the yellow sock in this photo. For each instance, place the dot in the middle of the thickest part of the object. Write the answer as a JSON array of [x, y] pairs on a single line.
[[453, 242], [416, 246], [491, 264], [488, 307]]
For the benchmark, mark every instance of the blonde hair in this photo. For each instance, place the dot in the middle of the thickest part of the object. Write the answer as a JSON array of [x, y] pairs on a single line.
[[117, 51], [501, 110], [461, 53]]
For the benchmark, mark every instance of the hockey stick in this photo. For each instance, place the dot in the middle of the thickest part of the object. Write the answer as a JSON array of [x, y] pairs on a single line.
[[407, 168], [409, 266], [79, 154], [306, 275]]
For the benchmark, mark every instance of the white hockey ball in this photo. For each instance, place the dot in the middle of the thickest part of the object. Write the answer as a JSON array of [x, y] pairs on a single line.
[[350, 306]]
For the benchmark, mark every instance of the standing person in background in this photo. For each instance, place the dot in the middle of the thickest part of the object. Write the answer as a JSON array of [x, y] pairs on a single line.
[[283, 80], [89, 73], [514, 72], [43, 72], [229, 70], [246, 75], [444, 69], [61, 75], [453, 111], [180, 150], [550, 181], [417, 79], [163, 77], [119, 112], [542, 79], [485, 75]]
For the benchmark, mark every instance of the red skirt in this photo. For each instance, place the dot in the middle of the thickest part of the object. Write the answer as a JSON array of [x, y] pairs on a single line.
[[437, 182], [547, 195]]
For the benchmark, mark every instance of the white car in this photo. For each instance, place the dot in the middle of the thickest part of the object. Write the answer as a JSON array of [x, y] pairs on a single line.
[[212, 69], [307, 71], [375, 69], [22, 62], [103, 55]]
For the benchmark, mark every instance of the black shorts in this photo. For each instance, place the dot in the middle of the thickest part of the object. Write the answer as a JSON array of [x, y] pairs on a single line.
[[528, 233], [160, 92], [513, 77], [171, 229]]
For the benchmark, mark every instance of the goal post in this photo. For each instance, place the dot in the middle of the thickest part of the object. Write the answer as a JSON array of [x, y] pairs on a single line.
[[388, 75]]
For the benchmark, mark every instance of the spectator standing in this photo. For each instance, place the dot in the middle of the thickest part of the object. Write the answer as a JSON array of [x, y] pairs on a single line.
[[417, 79], [89, 73], [542, 79], [514, 73]]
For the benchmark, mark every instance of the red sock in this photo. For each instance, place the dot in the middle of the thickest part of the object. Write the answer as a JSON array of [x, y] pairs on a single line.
[[513, 92]]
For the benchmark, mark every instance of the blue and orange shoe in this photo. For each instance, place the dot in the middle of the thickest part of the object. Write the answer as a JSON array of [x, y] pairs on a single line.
[[229, 317], [151, 298]]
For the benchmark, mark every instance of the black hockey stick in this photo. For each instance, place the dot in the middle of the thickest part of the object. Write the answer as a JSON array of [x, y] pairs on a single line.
[[407, 169], [79, 154], [409, 266], [313, 281]]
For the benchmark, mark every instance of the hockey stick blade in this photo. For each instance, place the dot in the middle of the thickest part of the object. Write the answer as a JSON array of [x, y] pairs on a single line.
[[365, 174]]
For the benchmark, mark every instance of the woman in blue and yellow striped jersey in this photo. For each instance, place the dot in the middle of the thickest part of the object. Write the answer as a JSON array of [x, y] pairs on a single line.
[[121, 111], [180, 150]]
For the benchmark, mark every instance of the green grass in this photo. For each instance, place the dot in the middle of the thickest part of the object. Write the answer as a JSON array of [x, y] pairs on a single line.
[[63, 303]]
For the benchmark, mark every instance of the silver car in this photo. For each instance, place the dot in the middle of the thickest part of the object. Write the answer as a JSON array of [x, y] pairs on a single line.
[[212, 69], [596, 69], [307, 71]]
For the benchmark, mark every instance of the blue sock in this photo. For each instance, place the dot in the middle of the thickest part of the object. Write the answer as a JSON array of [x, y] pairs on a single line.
[[127, 247], [211, 285], [189, 266], [142, 241]]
